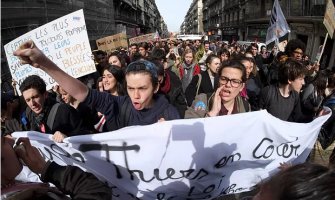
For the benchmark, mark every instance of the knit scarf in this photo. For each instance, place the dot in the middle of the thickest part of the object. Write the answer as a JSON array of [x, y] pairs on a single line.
[[165, 88], [188, 74], [41, 119], [238, 107]]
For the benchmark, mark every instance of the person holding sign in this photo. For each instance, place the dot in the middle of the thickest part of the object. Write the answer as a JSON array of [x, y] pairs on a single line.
[[142, 107]]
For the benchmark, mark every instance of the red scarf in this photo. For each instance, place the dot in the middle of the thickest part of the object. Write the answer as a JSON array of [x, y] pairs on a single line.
[[165, 88]]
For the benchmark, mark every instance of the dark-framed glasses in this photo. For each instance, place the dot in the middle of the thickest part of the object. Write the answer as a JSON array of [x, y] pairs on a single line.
[[233, 82]]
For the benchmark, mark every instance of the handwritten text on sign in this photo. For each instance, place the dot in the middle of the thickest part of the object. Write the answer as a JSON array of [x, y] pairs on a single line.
[[186, 159], [143, 38], [329, 19], [112, 42], [63, 40]]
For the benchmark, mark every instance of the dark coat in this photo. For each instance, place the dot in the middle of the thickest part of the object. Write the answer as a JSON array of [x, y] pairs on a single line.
[[69, 180], [176, 95], [67, 120], [205, 87]]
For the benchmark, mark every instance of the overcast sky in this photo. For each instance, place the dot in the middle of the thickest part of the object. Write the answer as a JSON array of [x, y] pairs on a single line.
[[173, 12]]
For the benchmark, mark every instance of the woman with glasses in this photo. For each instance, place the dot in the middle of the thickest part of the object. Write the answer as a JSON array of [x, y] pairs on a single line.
[[227, 100], [142, 106]]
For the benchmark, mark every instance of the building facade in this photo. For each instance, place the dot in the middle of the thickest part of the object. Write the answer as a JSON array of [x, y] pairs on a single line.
[[193, 23], [103, 18], [137, 17], [248, 20]]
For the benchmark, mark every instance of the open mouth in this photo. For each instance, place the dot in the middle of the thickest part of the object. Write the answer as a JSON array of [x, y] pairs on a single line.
[[137, 105], [224, 93]]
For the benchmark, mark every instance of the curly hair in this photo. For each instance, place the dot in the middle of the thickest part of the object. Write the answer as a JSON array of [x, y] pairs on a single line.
[[294, 44], [33, 82]]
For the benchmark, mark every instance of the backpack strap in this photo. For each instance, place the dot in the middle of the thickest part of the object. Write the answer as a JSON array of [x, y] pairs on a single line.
[[52, 115], [199, 83], [246, 104]]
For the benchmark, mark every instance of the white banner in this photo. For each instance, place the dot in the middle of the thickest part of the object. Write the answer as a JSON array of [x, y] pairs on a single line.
[[63, 40], [186, 159]]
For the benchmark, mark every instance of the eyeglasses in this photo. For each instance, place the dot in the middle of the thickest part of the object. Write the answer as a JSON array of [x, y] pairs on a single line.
[[143, 65], [233, 82]]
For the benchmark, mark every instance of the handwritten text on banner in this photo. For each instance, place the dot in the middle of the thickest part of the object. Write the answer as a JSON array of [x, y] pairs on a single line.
[[186, 159]]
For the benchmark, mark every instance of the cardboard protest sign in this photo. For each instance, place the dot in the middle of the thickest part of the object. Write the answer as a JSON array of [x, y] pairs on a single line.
[[143, 38], [112, 42], [329, 19], [63, 40], [200, 158]]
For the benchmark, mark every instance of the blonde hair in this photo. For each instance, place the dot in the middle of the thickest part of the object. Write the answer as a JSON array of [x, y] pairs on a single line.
[[187, 51]]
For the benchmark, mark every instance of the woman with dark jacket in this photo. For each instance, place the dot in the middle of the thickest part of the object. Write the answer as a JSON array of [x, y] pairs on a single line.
[[206, 85]]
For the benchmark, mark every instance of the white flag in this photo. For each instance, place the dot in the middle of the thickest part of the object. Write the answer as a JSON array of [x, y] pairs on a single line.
[[156, 35], [278, 26]]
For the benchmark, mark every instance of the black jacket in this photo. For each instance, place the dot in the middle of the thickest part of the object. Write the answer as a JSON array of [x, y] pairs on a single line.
[[67, 120], [205, 87], [69, 180], [120, 112], [176, 96], [75, 182]]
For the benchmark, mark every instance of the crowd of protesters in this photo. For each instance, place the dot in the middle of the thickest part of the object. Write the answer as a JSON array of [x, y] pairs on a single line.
[[167, 80]]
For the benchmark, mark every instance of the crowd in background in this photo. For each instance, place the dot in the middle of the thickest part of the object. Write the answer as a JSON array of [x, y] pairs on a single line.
[[173, 79]]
